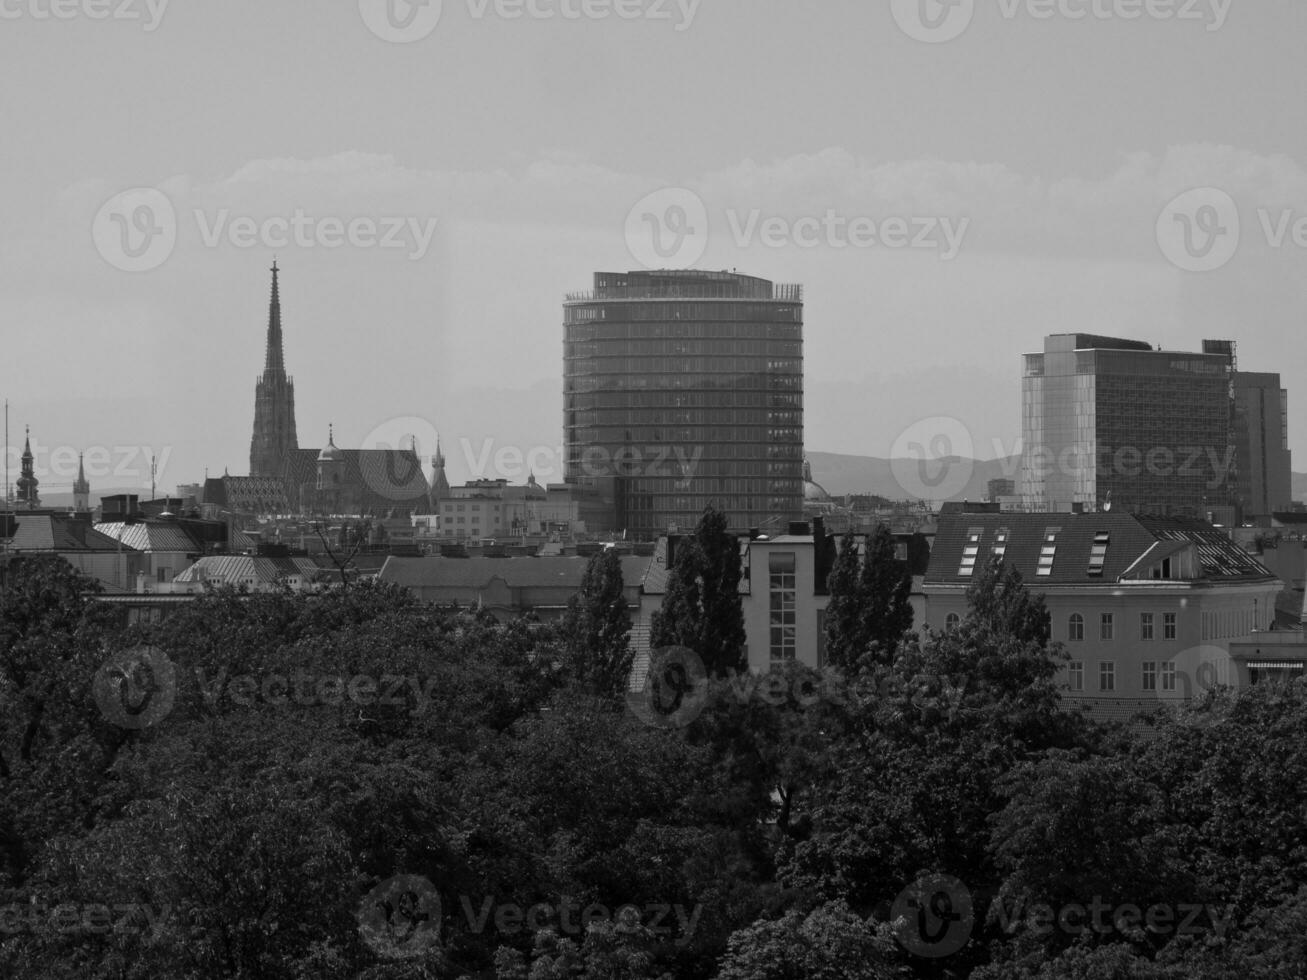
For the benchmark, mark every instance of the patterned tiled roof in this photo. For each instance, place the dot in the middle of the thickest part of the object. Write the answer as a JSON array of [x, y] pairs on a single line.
[[152, 536], [1129, 538], [242, 569], [389, 480], [514, 572]]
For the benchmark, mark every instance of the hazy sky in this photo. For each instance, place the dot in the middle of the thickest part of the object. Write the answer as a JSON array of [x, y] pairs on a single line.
[[1034, 158]]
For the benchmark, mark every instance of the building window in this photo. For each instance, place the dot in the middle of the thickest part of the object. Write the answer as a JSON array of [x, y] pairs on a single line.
[[1000, 543], [1098, 554], [1168, 676], [970, 552], [1107, 676], [1106, 627], [1150, 675], [1076, 675], [1048, 552], [1168, 626], [783, 588], [951, 621], [1145, 626], [1075, 627]]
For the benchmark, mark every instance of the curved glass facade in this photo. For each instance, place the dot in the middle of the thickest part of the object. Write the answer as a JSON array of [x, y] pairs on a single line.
[[684, 389]]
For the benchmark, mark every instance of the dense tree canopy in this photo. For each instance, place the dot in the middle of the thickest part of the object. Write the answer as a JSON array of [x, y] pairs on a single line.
[[354, 785]]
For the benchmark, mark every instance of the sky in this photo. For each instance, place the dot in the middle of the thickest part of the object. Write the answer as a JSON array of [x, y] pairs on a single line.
[[950, 182]]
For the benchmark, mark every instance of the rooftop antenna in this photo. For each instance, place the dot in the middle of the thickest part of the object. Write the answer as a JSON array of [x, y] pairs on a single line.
[[153, 470], [6, 536]]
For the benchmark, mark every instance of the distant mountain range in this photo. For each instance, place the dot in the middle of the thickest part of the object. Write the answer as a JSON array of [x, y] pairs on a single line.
[[840, 474]]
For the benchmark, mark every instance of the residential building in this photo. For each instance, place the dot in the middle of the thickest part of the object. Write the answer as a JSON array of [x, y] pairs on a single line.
[[1147, 607], [684, 389], [70, 537]]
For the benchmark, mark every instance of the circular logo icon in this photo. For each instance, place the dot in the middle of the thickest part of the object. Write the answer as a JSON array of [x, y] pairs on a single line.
[[400, 918], [933, 916], [136, 688], [675, 689], [391, 463], [401, 21], [668, 229], [1199, 230], [932, 459], [933, 21], [136, 231]]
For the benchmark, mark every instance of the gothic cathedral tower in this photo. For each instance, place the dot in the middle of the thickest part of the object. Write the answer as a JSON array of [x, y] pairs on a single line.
[[274, 403]]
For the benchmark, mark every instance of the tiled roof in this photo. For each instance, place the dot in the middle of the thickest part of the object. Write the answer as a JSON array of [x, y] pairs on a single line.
[[152, 536], [1129, 538], [239, 569], [390, 480], [54, 532]]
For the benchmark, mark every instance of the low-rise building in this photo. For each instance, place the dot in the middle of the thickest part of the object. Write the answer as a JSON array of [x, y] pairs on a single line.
[[1148, 608]]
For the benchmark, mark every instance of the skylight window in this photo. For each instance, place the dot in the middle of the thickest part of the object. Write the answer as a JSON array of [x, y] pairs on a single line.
[[1000, 543], [1048, 552], [1098, 554], [970, 552]]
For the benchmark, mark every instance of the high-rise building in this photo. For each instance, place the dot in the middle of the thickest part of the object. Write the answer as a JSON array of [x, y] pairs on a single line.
[[274, 440], [684, 389], [1264, 481], [1114, 422]]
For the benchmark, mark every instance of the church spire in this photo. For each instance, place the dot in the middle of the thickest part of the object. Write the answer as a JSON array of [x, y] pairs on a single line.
[[81, 488], [275, 362], [27, 483]]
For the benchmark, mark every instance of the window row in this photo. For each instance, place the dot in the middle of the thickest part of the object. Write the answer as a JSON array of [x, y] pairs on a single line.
[[1075, 626], [1153, 676]]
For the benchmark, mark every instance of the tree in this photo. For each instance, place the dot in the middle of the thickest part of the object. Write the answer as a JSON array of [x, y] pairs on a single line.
[[702, 608], [869, 601], [1000, 603], [831, 943], [597, 627]]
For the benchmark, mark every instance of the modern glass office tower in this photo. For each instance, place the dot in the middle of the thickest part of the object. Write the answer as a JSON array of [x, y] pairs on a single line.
[[684, 389], [1115, 421], [1265, 479]]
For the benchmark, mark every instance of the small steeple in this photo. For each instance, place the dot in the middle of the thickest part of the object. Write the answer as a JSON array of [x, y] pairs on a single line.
[[439, 482], [27, 482], [81, 488]]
